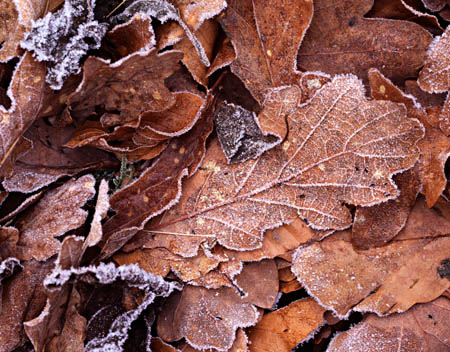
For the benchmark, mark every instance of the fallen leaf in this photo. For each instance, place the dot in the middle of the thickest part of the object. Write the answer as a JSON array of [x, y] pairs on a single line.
[[434, 77], [350, 43], [266, 53], [157, 188], [206, 318], [17, 17], [377, 225], [26, 94], [383, 280], [348, 160], [285, 328], [132, 85], [56, 213], [423, 328], [435, 5], [239, 344]]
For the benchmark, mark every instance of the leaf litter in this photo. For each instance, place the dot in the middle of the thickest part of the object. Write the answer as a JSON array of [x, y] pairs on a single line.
[[200, 175]]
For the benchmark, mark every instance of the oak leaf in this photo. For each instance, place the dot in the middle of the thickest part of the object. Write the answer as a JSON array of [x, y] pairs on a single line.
[[266, 53], [340, 148], [206, 318], [285, 328], [56, 213], [350, 43], [384, 280], [423, 328]]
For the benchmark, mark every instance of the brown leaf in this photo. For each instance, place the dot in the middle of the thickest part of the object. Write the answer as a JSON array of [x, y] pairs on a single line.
[[46, 160], [383, 280], [135, 35], [435, 5], [26, 91], [324, 162], [159, 187], [101, 209], [17, 17], [56, 213], [434, 77], [350, 43], [224, 57], [206, 318], [259, 282], [239, 345], [444, 120], [132, 85], [424, 98], [423, 328], [23, 297], [374, 226], [283, 329], [266, 53]]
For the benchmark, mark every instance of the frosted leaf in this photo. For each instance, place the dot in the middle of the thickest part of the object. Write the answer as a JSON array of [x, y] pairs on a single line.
[[7, 268], [239, 135], [424, 327], [163, 11], [63, 38], [56, 213], [101, 208], [340, 148], [152, 285]]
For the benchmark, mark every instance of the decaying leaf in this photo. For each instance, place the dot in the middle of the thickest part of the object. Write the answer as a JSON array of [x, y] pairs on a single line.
[[384, 280], [56, 213], [340, 148], [423, 328], [341, 40], [17, 17], [283, 329], [26, 93], [266, 36], [206, 318]]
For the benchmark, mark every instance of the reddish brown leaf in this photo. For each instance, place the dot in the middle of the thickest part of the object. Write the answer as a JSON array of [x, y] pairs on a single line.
[[424, 327], [285, 328], [132, 85], [434, 77], [56, 213], [17, 17], [435, 5], [206, 318], [350, 43], [327, 159], [157, 188], [374, 226], [384, 280], [27, 91], [266, 36]]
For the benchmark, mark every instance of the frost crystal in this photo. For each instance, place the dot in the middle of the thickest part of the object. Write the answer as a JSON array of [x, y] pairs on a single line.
[[163, 11], [152, 285], [63, 38]]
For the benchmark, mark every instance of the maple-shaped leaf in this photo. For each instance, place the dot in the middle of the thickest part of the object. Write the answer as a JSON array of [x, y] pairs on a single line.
[[26, 93], [17, 17], [341, 148], [266, 36], [132, 85], [285, 328], [350, 43], [61, 39], [424, 327], [385, 280]]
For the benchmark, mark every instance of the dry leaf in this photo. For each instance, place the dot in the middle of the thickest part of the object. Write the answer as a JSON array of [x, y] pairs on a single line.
[[56, 213], [424, 327], [206, 318], [384, 280], [340, 148], [283, 329], [434, 77], [266, 36], [26, 92], [435, 5], [341, 40]]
